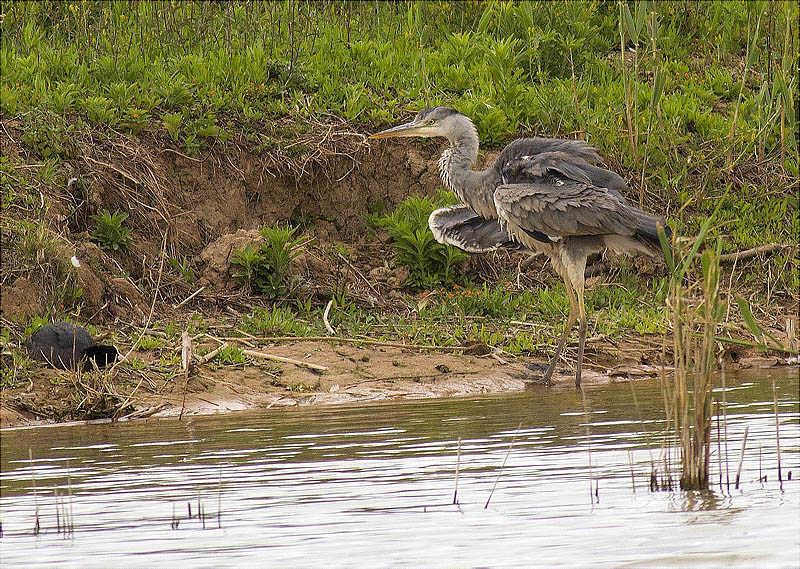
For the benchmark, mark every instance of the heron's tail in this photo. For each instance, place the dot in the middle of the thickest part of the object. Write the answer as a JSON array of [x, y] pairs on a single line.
[[647, 227]]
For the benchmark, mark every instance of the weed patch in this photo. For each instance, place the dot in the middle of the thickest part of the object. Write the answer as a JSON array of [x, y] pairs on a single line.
[[264, 269], [110, 232], [430, 263], [275, 321]]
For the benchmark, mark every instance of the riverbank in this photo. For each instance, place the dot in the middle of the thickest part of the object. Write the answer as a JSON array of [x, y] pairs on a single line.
[[346, 372], [163, 180]]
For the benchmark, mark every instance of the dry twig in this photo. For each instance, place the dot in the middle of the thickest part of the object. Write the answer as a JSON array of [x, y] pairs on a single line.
[[264, 356]]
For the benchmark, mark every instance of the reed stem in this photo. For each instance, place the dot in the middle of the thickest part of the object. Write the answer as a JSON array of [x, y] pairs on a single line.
[[496, 480], [741, 457], [458, 464]]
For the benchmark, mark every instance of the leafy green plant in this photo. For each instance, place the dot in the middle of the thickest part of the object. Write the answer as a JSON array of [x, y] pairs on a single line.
[[279, 320], [231, 355], [183, 267], [172, 122], [48, 135], [148, 343], [16, 368], [430, 263], [264, 268], [35, 323], [99, 110], [110, 231], [134, 363]]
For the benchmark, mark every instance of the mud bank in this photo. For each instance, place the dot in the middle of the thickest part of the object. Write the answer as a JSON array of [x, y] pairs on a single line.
[[354, 374]]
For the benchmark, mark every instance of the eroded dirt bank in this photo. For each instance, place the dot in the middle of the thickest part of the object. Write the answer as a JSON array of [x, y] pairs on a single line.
[[189, 214]]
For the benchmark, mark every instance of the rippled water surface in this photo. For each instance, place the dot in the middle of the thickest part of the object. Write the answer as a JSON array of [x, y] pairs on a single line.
[[372, 486]]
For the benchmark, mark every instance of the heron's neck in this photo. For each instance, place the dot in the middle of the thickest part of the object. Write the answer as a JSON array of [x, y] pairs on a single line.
[[455, 167]]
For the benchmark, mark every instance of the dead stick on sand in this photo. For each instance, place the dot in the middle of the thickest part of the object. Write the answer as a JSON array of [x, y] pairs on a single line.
[[741, 456], [328, 327], [213, 353], [264, 356], [344, 341]]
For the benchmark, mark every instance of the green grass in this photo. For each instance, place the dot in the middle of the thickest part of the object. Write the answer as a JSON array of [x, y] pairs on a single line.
[[721, 117], [710, 88], [509, 66]]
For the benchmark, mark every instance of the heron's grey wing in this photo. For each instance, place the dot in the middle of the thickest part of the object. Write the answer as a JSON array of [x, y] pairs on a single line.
[[537, 159], [460, 226], [563, 209]]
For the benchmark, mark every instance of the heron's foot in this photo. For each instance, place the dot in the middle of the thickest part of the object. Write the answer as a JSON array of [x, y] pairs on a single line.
[[543, 375]]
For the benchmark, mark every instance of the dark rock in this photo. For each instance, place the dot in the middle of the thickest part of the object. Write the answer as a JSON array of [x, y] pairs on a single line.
[[64, 345]]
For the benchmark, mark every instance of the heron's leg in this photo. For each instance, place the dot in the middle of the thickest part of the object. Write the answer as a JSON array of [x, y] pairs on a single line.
[[581, 335], [576, 273], [573, 313]]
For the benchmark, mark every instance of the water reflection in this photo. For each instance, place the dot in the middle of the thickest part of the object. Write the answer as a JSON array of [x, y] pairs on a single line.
[[356, 486]]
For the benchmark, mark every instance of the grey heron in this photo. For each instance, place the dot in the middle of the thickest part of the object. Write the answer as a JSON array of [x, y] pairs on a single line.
[[546, 194]]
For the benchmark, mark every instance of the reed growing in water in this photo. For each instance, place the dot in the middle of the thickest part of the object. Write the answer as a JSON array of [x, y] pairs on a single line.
[[695, 311]]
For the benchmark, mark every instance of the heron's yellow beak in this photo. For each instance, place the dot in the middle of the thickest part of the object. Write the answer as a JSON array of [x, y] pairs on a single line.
[[407, 129]]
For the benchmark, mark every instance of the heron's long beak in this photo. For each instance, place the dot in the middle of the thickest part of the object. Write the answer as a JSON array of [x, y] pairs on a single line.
[[407, 129]]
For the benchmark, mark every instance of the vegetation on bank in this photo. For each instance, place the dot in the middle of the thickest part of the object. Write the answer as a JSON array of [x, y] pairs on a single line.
[[687, 99], [693, 102]]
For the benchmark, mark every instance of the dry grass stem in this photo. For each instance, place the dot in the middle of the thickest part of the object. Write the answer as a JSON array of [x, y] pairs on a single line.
[[325, 321]]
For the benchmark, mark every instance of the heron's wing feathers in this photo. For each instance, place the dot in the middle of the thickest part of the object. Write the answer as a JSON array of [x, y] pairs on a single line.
[[542, 167], [538, 159], [460, 226], [562, 209], [578, 149]]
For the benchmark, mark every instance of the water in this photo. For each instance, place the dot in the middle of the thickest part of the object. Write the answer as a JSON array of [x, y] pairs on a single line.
[[372, 486]]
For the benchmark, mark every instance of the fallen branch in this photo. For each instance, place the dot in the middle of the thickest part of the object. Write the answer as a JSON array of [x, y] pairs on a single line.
[[748, 253], [344, 341], [144, 413], [213, 353], [264, 356]]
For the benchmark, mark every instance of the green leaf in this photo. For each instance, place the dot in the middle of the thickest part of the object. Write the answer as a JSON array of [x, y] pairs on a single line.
[[658, 87], [749, 320], [627, 17]]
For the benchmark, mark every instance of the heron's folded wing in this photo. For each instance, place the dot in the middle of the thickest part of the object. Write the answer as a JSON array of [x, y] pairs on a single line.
[[526, 166], [460, 226], [563, 209]]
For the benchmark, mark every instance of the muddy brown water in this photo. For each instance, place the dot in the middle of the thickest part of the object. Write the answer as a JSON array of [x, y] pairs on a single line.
[[372, 486]]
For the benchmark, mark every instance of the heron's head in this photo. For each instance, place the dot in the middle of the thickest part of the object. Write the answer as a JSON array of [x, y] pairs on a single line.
[[437, 121]]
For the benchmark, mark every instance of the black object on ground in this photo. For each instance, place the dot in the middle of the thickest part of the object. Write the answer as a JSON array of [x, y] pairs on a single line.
[[64, 345]]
